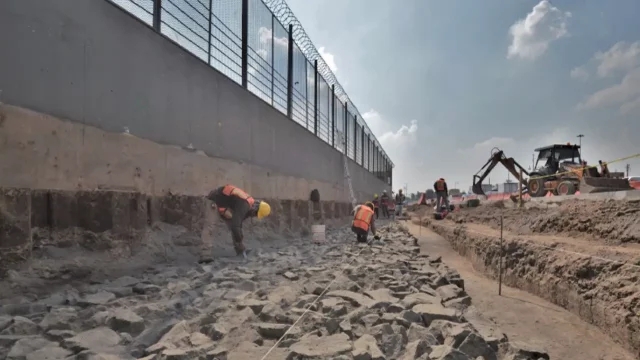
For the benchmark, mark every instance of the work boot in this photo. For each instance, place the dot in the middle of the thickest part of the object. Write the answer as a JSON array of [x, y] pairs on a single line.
[[245, 253]]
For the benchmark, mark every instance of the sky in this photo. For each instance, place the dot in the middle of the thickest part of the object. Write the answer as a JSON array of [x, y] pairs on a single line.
[[441, 83]]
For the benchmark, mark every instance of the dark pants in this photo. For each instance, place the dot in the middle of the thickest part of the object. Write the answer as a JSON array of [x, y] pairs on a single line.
[[376, 211], [385, 211], [361, 235], [240, 211]]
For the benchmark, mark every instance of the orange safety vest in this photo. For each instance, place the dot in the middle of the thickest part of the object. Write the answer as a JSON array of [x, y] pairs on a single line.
[[230, 190], [440, 185], [362, 218]]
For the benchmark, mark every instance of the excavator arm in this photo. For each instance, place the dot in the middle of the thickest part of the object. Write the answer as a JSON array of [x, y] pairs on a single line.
[[497, 157]]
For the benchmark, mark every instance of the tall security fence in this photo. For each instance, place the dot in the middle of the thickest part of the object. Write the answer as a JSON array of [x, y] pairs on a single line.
[[260, 45]]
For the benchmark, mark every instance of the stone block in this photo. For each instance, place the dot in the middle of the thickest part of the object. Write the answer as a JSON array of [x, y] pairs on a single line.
[[64, 207], [40, 209], [287, 213], [129, 213], [187, 211], [316, 211], [328, 209], [95, 210], [15, 218]]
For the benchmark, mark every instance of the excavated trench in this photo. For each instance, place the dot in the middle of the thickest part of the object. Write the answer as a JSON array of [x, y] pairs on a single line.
[[602, 292]]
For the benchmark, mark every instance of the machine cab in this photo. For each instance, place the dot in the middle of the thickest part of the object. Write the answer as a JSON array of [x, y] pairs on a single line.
[[550, 157]]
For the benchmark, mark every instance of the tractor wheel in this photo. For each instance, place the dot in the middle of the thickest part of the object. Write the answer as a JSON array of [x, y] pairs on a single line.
[[566, 188], [536, 188]]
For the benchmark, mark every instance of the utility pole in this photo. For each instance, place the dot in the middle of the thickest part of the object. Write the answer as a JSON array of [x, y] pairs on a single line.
[[628, 167], [533, 162], [580, 136]]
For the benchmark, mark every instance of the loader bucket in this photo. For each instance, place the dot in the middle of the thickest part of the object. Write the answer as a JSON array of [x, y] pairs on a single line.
[[590, 185]]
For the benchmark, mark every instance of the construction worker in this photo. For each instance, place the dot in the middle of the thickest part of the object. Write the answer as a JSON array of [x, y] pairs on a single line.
[[384, 203], [376, 204], [363, 221], [234, 206], [400, 199], [442, 193], [604, 169]]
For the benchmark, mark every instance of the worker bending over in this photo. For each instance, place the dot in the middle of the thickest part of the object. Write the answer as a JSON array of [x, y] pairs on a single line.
[[363, 221], [234, 206], [442, 193]]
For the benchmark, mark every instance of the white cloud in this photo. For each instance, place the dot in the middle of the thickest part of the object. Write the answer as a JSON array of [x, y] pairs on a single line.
[[263, 53], [328, 58], [621, 57], [374, 121], [493, 142], [624, 58], [532, 35], [628, 90], [403, 133], [266, 35], [579, 73]]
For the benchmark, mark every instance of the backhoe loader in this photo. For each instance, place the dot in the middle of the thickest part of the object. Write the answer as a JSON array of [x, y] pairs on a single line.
[[558, 169]]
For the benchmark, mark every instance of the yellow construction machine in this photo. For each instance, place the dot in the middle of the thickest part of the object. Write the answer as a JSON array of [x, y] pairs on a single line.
[[558, 169]]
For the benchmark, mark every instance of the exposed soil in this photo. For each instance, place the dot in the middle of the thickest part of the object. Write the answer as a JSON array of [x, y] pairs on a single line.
[[597, 281], [610, 221], [523, 316], [338, 300]]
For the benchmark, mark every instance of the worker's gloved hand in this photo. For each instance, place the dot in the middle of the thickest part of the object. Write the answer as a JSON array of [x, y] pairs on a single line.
[[377, 237]]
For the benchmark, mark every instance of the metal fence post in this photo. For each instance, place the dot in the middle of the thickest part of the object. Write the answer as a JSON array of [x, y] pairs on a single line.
[[273, 57], [355, 131], [315, 97], [210, 35], [346, 138], [290, 74], [333, 115], [157, 14], [245, 41], [362, 146], [370, 154]]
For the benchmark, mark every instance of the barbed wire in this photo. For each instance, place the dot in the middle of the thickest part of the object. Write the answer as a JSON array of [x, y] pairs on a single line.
[[284, 14]]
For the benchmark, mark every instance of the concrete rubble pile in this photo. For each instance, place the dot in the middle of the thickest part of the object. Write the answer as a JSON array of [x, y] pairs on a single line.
[[385, 301]]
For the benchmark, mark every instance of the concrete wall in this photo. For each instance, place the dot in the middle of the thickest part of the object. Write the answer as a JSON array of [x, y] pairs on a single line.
[[98, 71]]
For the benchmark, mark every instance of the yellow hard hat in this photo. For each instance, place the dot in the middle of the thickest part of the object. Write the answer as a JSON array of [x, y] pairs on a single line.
[[375, 195], [369, 204], [264, 210]]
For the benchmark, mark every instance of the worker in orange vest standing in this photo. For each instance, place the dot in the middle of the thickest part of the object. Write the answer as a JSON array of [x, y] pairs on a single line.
[[363, 221], [234, 206], [442, 193]]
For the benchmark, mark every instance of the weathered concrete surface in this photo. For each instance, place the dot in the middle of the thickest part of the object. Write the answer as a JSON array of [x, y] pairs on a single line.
[[15, 225], [93, 64], [65, 155], [238, 310]]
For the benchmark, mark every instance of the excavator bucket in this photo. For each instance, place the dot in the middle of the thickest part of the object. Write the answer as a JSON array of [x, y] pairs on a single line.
[[590, 185]]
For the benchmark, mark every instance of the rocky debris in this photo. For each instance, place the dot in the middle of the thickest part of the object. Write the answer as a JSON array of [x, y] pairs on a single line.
[[384, 302]]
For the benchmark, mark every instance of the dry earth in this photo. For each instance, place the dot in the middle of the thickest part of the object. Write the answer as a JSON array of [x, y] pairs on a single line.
[[610, 221], [588, 275], [383, 301]]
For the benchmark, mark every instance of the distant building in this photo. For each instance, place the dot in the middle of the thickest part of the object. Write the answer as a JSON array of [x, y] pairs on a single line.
[[508, 187], [487, 188]]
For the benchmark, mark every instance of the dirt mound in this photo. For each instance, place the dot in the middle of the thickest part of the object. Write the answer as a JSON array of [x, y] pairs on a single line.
[[384, 301], [604, 293], [611, 220]]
